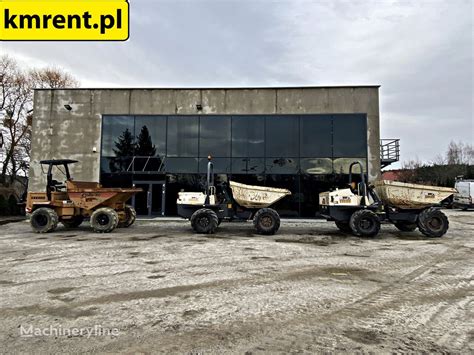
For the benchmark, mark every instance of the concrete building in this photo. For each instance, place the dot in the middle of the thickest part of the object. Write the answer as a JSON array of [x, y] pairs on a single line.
[[309, 136]]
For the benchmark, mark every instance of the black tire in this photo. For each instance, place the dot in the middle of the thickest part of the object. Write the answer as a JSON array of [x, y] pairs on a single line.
[[343, 226], [44, 220], [74, 222], [204, 221], [266, 221], [131, 216], [104, 220], [365, 223], [405, 226], [433, 223]]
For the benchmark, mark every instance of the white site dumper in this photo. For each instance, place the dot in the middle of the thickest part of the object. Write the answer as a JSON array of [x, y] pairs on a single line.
[[360, 208], [207, 209]]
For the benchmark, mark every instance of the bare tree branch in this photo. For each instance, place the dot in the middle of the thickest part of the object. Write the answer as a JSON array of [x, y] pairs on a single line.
[[16, 104]]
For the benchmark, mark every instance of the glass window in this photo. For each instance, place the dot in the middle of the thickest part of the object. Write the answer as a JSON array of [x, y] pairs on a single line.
[[180, 165], [117, 136], [282, 136], [341, 165], [248, 166], [106, 165], [316, 166], [150, 132], [248, 136], [147, 164], [221, 165], [116, 180], [214, 136], [289, 205], [350, 136], [281, 165], [316, 136], [116, 164], [182, 136]]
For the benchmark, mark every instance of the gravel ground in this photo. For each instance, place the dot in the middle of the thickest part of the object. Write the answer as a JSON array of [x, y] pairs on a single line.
[[156, 287]]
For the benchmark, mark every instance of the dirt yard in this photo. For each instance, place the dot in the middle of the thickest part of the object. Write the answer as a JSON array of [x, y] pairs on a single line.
[[157, 287]]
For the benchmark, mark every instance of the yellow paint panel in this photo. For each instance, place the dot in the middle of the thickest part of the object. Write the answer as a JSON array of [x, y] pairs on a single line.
[[64, 20]]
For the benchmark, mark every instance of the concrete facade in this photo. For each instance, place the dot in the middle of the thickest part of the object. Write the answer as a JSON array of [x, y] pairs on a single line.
[[60, 133]]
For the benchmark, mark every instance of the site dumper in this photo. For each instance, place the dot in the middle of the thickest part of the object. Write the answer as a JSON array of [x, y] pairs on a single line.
[[73, 201], [207, 210], [360, 208]]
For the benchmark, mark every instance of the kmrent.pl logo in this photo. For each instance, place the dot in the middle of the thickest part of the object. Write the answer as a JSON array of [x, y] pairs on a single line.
[[29, 331], [64, 20]]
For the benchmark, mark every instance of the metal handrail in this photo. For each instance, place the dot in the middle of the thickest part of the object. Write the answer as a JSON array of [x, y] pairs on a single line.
[[130, 167], [389, 151]]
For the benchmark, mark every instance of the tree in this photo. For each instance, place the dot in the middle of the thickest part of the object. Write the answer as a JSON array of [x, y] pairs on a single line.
[[125, 148], [459, 153], [145, 147], [16, 112], [443, 170], [52, 78]]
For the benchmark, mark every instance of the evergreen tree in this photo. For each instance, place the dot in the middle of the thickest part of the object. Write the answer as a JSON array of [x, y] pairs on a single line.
[[125, 147], [145, 146]]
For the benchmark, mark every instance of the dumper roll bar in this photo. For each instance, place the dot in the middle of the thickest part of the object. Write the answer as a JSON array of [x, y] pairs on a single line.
[[50, 183], [362, 176], [366, 188], [210, 188]]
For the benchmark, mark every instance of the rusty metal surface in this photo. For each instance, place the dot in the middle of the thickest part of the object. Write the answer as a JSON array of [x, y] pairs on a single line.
[[84, 195]]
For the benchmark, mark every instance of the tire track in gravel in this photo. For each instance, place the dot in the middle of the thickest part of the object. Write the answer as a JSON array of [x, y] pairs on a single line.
[[406, 291], [321, 329]]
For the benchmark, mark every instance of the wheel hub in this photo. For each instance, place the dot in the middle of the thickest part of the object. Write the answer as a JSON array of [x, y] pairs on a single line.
[[41, 220], [435, 223], [266, 221], [103, 219], [366, 223], [204, 221]]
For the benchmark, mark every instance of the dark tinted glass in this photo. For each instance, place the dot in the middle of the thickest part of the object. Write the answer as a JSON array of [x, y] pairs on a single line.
[[316, 165], [316, 136], [341, 165], [117, 135], [248, 136], [281, 166], [221, 165], [214, 136], [150, 132], [350, 136], [289, 205], [182, 136], [282, 136], [116, 164], [147, 164], [180, 165], [105, 166], [116, 180], [248, 165]]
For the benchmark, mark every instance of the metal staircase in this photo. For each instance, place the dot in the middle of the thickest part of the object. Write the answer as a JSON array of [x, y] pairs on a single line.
[[389, 151]]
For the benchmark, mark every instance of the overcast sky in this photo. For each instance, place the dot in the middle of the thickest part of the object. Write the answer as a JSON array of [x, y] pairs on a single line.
[[420, 52]]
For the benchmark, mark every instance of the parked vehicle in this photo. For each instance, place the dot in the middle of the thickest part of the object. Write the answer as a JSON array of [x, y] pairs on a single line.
[[207, 209], [360, 208], [72, 201], [464, 197]]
